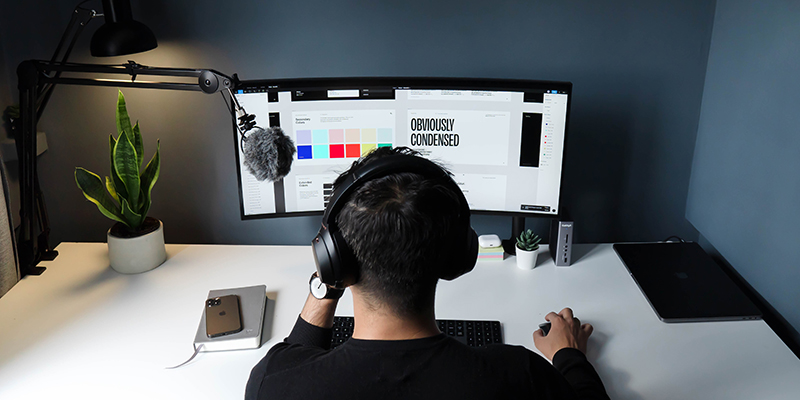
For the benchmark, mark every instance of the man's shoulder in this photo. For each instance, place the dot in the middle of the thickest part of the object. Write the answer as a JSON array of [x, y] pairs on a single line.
[[430, 370], [283, 356], [508, 350], [520, 357]]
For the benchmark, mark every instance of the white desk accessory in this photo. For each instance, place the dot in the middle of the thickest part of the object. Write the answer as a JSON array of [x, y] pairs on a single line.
[[489, 241], [252, 303], [252, 300]]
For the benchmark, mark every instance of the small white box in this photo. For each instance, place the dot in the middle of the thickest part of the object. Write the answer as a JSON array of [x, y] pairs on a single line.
[[489, 241]]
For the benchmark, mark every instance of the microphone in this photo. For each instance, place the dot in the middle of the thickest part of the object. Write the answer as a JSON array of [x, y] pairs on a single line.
[[268, 153]]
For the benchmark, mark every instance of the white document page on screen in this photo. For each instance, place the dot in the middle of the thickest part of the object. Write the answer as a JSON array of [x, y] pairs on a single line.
[[462, 137]]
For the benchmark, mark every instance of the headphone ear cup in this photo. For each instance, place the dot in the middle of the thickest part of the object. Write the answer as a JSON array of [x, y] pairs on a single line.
[[325, 256], [469, 256], [472, 250], [336, 263], [346, 269]]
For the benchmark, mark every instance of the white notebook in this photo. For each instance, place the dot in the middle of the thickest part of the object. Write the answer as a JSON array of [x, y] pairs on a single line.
[[252, 303]]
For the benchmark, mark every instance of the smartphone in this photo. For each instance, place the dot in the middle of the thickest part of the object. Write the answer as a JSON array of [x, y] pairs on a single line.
[[222, 316]]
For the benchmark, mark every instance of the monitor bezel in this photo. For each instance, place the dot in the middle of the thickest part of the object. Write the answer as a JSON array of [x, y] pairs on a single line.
[[489, 84]]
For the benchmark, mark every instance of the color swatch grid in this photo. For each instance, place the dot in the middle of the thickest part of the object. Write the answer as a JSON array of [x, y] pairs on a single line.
[[341, 143]]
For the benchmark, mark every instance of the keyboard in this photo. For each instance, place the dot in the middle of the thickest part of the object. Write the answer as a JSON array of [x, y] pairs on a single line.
[[470, 332]]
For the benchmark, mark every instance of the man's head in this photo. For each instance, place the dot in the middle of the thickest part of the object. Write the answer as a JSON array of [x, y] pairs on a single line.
[[405, 229]]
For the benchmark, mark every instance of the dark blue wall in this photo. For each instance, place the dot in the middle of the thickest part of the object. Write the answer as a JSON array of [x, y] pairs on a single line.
[[637, 67], [744, 195]]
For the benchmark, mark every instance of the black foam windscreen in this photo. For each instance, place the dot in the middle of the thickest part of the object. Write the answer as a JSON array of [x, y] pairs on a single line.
[[268, 153]]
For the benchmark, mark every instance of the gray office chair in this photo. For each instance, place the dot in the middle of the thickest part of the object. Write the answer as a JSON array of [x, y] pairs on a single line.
[[9, 262]]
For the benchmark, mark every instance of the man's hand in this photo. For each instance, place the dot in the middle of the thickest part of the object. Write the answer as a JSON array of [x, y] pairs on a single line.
[[565, 332]]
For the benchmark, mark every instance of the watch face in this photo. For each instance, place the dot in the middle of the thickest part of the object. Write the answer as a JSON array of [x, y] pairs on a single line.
[[318, 289]]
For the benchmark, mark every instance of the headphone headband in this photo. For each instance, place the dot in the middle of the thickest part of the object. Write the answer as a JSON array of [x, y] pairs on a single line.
[[376, 169]]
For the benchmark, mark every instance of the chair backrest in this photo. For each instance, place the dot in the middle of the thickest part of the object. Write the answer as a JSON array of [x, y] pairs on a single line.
[[9, 262]]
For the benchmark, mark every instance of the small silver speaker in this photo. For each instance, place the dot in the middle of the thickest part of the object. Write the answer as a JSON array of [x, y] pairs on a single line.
[[561, 242]]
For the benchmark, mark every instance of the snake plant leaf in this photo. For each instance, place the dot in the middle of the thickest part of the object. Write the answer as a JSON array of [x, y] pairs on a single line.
[[12, 111], [119, 187], [134, 219], [123, 121], [149, 178], [111, 190], [92, 187], [138, 145], [111, 143], [126, 168]]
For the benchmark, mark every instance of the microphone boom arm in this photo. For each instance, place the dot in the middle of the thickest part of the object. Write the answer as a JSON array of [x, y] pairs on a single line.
[[36, 81]]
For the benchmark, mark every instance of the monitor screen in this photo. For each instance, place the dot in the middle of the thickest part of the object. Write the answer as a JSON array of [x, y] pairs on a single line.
[[503, 140]]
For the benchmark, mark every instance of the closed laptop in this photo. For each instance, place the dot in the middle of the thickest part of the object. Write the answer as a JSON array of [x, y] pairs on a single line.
[[684, 284]]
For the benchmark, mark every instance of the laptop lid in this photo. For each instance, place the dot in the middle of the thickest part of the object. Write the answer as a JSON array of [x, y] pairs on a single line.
[[683, 284]]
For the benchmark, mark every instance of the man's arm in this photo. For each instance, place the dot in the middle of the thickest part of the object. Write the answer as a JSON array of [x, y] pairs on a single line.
[[313, 327], [565, 346], [319, 312], [311, 335]]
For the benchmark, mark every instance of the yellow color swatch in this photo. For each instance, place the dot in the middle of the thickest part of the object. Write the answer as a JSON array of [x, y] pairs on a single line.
[[367, 147]]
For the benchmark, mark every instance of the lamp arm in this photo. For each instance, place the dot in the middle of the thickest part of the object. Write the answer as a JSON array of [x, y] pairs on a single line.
[[208, 80], [88, 15], [34, 228], [85, 15]]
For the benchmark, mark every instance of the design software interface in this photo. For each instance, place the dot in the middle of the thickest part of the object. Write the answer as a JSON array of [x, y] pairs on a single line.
[[502, 140]]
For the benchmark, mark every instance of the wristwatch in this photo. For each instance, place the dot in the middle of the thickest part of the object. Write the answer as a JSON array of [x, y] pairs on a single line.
[[322, 291]]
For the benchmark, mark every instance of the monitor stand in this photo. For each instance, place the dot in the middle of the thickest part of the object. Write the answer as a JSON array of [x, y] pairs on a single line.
[[517, 226]]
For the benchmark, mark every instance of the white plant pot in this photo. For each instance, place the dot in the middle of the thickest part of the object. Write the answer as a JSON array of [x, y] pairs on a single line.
[[526, 259], [138, 254]]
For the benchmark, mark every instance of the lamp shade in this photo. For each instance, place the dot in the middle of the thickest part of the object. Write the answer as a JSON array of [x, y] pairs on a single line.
[[120, 38], [120, 34]]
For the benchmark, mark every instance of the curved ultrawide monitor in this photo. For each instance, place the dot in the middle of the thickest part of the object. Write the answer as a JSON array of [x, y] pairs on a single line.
[[503, 140]]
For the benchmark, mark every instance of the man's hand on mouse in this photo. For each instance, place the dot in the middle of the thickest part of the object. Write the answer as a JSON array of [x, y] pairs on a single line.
[[565, 332]]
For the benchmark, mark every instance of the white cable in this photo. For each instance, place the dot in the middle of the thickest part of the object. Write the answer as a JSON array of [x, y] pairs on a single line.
[[196, 350]]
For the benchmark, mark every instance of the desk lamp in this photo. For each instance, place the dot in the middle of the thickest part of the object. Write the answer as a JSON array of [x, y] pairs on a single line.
[[36, 80]]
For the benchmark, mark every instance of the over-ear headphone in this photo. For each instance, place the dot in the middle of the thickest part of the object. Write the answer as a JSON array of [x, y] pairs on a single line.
[[336, 263]]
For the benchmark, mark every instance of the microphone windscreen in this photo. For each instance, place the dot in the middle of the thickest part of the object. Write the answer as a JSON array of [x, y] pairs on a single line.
[[268, 153]]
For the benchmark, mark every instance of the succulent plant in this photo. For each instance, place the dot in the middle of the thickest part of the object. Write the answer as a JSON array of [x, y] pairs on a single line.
[[528, 241], [125, 196]]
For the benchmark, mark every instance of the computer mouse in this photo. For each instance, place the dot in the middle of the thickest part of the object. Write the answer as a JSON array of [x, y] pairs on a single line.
[[545, 327]]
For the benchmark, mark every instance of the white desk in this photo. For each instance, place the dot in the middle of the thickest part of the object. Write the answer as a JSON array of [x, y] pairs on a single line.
[[82, 330]]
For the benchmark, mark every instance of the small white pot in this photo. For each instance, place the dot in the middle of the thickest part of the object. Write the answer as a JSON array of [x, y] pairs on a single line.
[[526, 259], [137, 254]]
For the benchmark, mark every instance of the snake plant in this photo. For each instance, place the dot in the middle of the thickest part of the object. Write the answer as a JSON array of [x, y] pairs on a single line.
[[528, 241], [125, 196]]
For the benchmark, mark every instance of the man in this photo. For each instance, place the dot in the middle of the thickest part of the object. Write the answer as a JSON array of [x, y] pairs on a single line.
[[405, 229]]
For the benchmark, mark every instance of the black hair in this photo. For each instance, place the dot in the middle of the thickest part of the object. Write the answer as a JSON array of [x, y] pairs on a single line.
[[400, 228]]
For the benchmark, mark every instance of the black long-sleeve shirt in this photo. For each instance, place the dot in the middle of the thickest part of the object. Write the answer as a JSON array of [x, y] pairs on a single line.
[[438, 367]]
